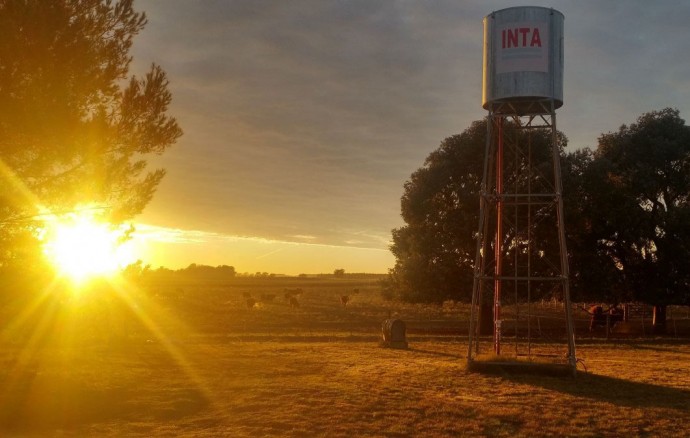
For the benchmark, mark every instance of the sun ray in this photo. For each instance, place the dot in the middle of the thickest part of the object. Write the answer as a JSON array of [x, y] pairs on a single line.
[[144, 309], [27, 196], [30, 347]]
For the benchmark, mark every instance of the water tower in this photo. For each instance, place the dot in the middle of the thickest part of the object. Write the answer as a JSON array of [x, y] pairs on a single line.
[[521, 257]]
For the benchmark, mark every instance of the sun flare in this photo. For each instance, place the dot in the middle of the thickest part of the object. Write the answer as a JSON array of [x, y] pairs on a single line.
[[81, 248]]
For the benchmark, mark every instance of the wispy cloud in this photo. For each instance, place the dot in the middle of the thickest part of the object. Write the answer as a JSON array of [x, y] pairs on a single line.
[[268, 254], [175, 248], [160, 234], [304, 119], [303, 237]]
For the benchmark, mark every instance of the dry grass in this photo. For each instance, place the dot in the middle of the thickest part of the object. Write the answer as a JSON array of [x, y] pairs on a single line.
[[199, 363]]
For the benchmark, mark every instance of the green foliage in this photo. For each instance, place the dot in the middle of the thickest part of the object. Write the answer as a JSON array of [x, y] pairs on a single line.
[[631, 222], [436, 248], [592, 276], [74, 127], [627, 208], [192, 272], [135, 272]]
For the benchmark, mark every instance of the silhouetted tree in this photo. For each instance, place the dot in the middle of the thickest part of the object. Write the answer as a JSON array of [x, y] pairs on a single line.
[[633, 232], [627, 208], [208, 272], [435, 250], [592, 276], [75, 127], [135, 272]]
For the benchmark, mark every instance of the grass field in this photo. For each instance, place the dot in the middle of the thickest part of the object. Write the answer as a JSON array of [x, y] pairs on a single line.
[[192, 359]]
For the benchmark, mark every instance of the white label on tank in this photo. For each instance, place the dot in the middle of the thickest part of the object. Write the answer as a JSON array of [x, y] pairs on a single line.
[[522, 46]]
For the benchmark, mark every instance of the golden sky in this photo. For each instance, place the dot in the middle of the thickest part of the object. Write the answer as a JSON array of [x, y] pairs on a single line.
[[304, 119]]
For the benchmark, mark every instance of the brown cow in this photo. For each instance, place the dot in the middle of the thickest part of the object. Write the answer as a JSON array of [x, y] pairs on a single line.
[[251, 302], [344, 299], [290, 293], [268, 298], [599, 316]]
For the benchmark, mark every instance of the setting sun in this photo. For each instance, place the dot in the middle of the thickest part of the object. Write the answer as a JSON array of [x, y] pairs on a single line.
[[81, 248]]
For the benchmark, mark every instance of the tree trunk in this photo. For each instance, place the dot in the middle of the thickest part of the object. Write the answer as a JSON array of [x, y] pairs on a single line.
[[626, 312], [486, 318], [659, 320]]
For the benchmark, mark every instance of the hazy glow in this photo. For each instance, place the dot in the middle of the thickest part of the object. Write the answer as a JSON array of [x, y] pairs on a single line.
[[177, 248], [82, 248]]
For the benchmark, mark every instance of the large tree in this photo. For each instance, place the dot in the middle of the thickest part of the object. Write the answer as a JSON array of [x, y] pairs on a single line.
[[627, 208], [633, 233], [592, 276], [435, 250], [75, 126]]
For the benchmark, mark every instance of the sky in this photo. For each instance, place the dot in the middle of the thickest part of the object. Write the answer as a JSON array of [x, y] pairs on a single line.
[[304, 119]]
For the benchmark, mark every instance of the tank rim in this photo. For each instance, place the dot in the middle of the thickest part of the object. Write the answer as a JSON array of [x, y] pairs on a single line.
[[525, 7]]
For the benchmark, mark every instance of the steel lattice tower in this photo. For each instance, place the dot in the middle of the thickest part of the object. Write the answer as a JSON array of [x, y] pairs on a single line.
[[521, 253]]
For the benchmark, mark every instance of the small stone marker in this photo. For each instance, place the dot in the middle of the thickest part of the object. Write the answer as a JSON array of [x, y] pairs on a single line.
[[394, 334]]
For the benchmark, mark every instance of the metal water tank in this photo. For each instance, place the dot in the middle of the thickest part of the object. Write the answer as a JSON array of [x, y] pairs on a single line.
[[523, 58]]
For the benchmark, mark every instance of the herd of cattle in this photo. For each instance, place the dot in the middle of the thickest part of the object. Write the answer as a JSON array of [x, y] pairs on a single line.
[[291, 298], [599, 317], [602, 318]]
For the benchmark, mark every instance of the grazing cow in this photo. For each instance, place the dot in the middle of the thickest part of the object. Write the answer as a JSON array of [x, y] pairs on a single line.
[[251, 302], [267, 297], [344, 299], [294, 303], [616, 314], [290, 293], [599, 316], [246, 295]]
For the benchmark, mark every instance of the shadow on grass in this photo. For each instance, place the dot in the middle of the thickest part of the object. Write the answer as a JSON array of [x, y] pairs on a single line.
[[433, 353], [612, 390], [35, 403]]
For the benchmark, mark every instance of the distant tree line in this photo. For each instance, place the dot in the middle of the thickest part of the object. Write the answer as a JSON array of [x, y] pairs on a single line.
[[138, 271], [627, 216], [192, 272]]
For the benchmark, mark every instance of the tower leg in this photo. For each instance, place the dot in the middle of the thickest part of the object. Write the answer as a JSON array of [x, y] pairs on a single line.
[[515, 185]]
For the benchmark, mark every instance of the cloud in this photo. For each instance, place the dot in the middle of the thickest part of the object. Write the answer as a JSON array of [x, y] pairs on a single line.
[[304, 237], [310, 108], [306, 117]]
